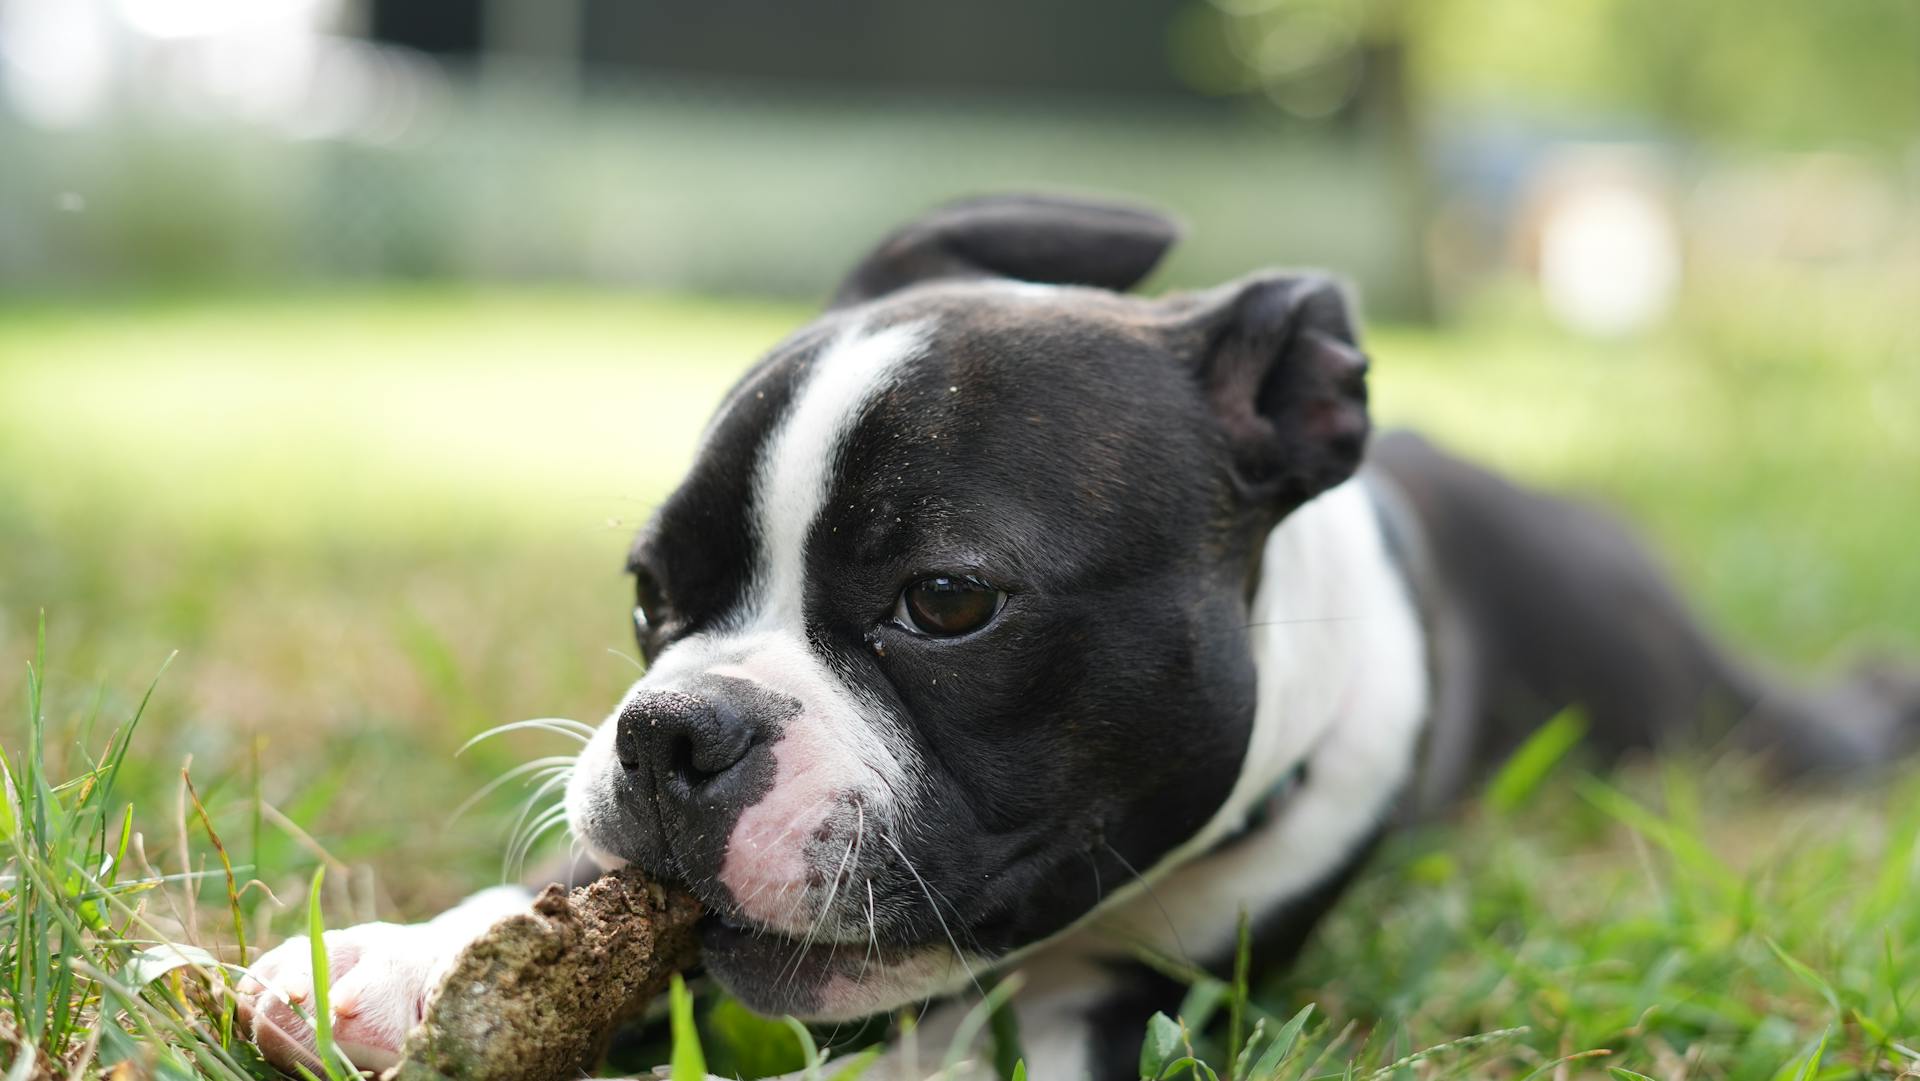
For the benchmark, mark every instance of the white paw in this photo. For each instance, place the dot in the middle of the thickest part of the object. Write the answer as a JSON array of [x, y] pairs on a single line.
[[380, 975]]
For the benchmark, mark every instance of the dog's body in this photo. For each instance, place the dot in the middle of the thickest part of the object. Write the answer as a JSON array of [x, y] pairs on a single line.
[[1009, 622]]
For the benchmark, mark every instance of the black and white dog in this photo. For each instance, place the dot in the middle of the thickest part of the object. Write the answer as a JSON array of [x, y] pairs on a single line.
[[1007, 621]]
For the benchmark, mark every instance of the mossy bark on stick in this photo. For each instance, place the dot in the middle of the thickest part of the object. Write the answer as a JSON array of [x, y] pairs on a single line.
[[537, 996]]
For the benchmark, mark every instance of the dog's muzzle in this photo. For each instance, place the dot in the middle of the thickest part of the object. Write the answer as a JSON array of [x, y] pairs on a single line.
[[689, 764]]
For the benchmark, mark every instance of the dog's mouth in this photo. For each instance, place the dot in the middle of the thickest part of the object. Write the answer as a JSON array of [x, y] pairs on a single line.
[[737, 945], [775, 973], [822, 979]]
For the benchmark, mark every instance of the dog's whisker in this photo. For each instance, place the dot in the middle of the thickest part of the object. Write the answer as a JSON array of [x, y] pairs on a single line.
[[857, 854], [536, 767], [793, 825], [1173, 928], [576, 851], [826, 908], [958, 953], [556, 817], [873, 934], [532, 801], [638, 666], [559, 726], [517, 854], [802, 816], [554, 780], [955, 909], [528, 820]]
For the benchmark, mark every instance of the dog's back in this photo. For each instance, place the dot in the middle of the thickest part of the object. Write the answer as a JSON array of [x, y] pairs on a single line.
[[1535, 603]]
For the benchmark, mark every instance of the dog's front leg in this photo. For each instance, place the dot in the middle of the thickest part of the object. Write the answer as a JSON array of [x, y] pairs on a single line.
[[379, 977]]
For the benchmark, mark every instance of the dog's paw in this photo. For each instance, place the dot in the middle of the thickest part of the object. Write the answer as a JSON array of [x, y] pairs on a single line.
[[380, 976]]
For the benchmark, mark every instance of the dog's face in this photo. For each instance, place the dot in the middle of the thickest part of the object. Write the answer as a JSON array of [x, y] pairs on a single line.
[[947, 623]]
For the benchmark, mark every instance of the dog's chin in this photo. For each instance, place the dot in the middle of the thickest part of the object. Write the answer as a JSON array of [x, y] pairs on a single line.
[[774, 974], [768, 972]]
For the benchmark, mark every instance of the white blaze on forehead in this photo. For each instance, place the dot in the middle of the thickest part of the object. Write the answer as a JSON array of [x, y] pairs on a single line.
[[796, 464], [842, 748], [841, 743]]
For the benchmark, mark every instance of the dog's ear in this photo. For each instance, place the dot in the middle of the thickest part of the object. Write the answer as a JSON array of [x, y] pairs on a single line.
[[1031, 238], [1280, 364]]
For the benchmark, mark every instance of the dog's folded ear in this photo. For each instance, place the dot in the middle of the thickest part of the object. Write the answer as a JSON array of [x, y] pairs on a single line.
[[1279, 361], [1032, 238]]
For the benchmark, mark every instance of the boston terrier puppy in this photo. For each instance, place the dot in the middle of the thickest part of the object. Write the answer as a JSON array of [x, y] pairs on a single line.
[[1009, 622]]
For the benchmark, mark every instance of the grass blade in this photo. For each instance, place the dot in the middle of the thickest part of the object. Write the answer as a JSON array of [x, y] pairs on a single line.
[[322, 978], [1528, 768], [688, 1063], [1237, 1000], [1270, 1060]]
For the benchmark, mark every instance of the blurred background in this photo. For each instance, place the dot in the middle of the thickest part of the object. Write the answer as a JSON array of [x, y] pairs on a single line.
[[1613, 152], [344, 342]]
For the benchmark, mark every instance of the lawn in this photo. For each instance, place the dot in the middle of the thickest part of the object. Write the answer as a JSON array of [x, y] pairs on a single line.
[[366, 526]]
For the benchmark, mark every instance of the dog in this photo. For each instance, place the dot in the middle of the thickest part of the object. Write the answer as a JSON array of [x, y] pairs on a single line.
[[1006, 621]]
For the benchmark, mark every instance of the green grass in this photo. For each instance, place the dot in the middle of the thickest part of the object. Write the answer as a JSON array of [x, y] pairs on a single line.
[[374, 524]]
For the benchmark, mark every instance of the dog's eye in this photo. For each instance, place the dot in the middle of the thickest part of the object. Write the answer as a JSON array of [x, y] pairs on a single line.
[[948, 606], [649, 605]]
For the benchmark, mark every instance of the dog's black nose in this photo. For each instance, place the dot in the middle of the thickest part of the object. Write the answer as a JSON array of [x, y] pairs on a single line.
[[687, 742]]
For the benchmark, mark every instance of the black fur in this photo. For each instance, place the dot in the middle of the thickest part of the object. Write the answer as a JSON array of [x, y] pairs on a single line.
[[1032, 238]]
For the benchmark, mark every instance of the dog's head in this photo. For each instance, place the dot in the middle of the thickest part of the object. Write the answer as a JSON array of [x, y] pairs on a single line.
[[947, 623]]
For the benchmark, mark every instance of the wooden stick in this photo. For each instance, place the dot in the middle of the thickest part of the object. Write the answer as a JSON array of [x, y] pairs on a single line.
[[537, 997]]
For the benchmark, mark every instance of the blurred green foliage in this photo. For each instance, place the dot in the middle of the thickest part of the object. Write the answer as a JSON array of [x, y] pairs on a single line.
[[1767, 71], [1359, 114], [1763, 72]]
